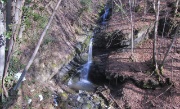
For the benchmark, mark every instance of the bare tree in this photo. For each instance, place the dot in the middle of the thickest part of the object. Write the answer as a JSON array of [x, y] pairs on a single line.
[[155, 35]]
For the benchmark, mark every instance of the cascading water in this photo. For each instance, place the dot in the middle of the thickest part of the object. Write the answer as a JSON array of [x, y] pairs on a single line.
[[83, 83], [105, 15], [90, 51], [86, 67]]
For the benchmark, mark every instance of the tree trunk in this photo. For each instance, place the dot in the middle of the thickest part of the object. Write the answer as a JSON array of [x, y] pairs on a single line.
[[154, 5], [145, 7], [17, 12], [2, 46], [155, 36], [176, 8], [120, 3], [132, 29]]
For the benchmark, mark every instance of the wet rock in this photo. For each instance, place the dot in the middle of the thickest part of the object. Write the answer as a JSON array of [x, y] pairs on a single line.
[[97, 73], [110, 40], [86, 106], [105, 13], [85, 100]]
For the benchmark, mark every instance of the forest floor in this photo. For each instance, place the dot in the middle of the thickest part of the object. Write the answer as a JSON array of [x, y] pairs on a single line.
[[129, 95], [132, 82]]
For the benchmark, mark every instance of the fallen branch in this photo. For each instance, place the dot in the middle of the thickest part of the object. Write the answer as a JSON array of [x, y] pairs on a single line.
[[36, 49]]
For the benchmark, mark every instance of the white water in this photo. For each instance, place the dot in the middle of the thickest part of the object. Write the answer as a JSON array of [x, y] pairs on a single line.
[[86, 67], [105, 16], [90, 52], [83, 83]]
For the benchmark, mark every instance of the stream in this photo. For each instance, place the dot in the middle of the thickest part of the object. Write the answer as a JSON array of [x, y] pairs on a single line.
[[82, 82]]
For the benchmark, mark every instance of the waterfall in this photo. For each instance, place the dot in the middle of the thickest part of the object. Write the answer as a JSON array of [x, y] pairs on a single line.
[[90, 52], [82, 82], [105, 15], [86, 67]]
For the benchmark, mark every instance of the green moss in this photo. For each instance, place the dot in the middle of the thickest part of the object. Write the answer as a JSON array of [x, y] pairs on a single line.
[[47, 94], [48, 40], [36, 16], [64, 96], [146, 86], [161, 70], [65, 78], [85, 2], [54, 65], [69, 58]]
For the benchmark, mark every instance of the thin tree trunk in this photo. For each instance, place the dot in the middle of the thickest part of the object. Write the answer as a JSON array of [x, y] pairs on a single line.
[[36, 49], [155, 36], [162, 36], [2, 48], [164, 24], [8, 17], [154, 5], [135, 3], [176, 8], [120, 3], [145, 7], [169, 49], [132, 26]]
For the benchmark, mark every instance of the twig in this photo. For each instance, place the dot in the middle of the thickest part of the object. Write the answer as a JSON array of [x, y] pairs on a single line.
[[160, 94], [151, 74], [48, 4], [36, 49], [172, 69]]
